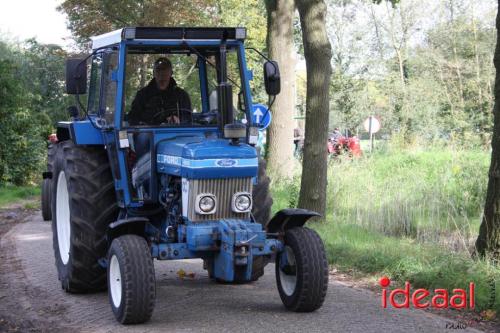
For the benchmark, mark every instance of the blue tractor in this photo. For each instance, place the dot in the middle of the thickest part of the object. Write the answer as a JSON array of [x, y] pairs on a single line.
[[185, 181]]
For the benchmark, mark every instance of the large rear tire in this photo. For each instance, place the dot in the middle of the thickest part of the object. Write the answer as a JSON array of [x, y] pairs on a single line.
[[131, 280], [47, 183], [83, 205], [46, 188]]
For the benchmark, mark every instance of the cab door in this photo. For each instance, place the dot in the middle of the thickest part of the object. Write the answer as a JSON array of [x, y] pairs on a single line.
[[102, 106]]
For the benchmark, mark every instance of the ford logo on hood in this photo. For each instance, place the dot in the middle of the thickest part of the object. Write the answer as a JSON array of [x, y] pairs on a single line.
[[226, 163]]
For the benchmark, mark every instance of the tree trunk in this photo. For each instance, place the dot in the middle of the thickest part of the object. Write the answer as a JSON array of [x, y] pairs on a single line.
[[281, 48], [488, 241], [318, 53]]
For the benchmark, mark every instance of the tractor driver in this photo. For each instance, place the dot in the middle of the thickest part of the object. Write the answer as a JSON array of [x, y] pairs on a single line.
[[161, 101]]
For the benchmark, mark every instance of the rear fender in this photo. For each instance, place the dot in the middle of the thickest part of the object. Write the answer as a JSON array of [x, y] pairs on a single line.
[[81, 132], [289, 218]]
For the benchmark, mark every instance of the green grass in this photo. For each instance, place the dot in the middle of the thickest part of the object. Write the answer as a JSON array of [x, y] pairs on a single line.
[[351, 247], [429, 195], [11, 194], [412, 215]]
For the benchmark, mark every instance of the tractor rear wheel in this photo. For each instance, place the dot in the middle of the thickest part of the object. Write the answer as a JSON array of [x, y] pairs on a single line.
[[83, 205], [46, 212], [47, 183]]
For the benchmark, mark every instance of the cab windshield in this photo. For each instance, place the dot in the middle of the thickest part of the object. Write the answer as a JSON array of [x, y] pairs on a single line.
[[167, 87]]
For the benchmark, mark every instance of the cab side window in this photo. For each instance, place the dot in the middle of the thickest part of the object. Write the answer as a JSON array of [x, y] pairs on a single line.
[[109, 87], [95, 84]]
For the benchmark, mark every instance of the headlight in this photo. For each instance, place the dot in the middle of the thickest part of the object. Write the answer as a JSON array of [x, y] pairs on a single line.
[[205, 203], [242, 202]]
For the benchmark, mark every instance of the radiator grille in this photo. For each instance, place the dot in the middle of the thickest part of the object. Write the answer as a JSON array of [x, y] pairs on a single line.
[[223, 189]]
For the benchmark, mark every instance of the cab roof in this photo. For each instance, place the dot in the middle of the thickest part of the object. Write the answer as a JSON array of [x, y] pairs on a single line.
[[164, 33]]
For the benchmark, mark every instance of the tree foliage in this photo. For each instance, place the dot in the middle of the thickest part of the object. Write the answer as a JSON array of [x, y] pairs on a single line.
[[93, 17], [29, 97], [249, 14], [427, 76]]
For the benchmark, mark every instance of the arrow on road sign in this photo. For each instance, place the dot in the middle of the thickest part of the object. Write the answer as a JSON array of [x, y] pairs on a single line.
[[258, 114]]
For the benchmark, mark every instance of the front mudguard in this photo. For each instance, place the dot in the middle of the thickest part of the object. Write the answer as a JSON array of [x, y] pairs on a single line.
[[289, 218], [131, 225]]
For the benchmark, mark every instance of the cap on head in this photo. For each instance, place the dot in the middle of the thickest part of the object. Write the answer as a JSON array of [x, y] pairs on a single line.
[[162, 64]]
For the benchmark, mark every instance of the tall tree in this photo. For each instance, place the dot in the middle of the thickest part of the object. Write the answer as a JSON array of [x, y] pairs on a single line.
[[92, 17], [488, 241], [318, 53], [281, 48]]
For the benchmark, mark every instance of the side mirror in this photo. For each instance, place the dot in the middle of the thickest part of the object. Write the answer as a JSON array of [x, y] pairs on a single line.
[[76, 76], [272, 78]]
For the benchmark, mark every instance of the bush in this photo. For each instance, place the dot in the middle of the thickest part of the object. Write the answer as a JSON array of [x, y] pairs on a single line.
[[22, 143]]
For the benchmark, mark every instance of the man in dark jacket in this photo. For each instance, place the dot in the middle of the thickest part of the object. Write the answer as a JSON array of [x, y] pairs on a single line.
[[161, 101]]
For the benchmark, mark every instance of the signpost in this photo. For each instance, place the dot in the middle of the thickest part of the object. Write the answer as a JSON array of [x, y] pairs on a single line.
[[260, 116], [372, 126]]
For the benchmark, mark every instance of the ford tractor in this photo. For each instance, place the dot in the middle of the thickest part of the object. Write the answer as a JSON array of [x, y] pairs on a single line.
[[159, 162]]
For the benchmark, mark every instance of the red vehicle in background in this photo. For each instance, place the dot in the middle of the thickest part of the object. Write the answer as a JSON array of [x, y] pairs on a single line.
[[339, 144]]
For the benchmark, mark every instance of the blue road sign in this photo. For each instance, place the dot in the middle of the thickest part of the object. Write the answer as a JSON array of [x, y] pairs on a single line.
[[260, 116]]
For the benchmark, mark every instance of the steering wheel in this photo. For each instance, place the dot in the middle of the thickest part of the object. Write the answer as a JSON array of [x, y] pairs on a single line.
[[178, 116], [206, 118]]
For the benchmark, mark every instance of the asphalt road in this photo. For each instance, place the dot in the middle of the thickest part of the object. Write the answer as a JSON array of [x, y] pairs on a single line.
[[29, 289]]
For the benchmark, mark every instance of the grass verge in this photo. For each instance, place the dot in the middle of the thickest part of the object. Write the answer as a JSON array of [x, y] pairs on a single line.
[[412, 215], [351, 247], [10, 194]]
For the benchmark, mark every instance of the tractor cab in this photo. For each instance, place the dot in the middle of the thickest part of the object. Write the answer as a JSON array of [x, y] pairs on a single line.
[[206, 102], [161, 163]]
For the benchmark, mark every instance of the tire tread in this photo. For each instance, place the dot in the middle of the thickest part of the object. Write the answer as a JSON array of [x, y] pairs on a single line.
[[138, 276], [312, 270]]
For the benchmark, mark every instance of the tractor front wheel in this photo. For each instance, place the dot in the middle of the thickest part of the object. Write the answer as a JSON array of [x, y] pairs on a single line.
[[302, 270], [131, 280]]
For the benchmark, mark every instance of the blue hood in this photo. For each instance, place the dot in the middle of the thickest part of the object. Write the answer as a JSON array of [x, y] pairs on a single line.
[[195, 157]]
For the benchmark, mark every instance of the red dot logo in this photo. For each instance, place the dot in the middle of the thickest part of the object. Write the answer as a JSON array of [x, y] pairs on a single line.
[[385, 281]]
